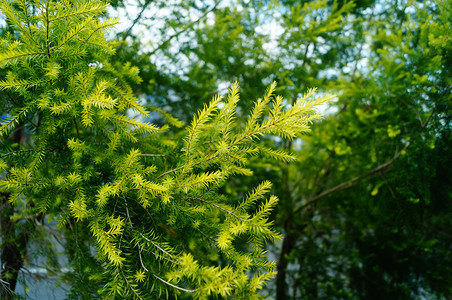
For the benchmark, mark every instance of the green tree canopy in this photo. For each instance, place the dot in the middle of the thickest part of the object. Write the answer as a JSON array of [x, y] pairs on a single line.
[[126, 145]]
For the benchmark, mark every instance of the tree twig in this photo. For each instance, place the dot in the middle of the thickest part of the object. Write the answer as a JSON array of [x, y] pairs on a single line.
[[175, 286], [16, 152], [218, 206], [160, 248]]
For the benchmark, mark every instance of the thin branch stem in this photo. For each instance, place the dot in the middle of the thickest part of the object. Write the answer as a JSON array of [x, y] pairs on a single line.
[[217, 206], [9, 96], [175, 286], [16, 152], [47, 29], [169, 172], [141, 260], [128, 283], [76, 128], [158, 247]]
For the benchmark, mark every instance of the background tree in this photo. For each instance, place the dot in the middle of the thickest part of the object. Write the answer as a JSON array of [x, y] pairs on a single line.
[[393, 122], [357, 209]]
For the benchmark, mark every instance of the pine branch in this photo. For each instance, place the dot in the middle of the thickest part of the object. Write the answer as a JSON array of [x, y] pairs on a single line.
[[7, 125], [28, 32], [256, 194], [72, 33], [101, 25], [8, 84], [83, 10], [219, 207], [198, 121], [16, 54]]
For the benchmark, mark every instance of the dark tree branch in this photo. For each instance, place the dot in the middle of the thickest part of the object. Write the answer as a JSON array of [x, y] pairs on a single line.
[[183, 30], [16, 152], [350, 182], [288, 245], [146, 4]]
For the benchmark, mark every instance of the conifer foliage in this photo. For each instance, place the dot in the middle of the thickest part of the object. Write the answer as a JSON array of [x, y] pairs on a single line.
[[149, 200]]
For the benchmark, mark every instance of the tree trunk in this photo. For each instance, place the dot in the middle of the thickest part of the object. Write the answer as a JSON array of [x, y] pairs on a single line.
[[13, 249], [13, 241], [287, 247]]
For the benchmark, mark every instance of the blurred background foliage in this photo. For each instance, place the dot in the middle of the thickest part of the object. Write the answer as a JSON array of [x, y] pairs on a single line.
[[366, 209]]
